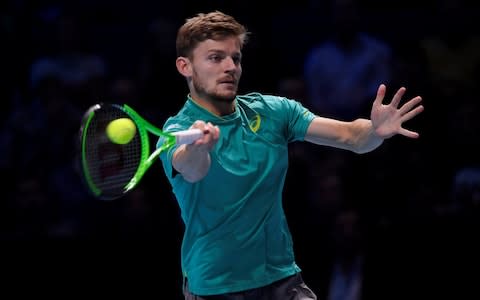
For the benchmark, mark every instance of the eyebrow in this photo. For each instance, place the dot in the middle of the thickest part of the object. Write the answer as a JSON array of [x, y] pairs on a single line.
[[223, 52]]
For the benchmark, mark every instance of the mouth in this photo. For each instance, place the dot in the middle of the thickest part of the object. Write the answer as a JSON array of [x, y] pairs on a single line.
[[227, 81]]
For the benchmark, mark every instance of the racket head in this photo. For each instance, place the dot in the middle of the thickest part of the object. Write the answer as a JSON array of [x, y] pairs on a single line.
[[109, 170]]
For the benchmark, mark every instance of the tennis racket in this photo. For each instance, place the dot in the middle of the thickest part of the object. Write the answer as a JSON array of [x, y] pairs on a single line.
[[111, 170]]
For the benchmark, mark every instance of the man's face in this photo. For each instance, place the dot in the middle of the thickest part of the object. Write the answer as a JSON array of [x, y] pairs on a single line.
[[216, 69]]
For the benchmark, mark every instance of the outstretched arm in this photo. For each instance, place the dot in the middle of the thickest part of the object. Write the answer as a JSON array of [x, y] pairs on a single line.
[[362, 135]]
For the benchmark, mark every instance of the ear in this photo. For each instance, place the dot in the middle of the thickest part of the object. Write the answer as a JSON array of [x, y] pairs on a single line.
[[184, 66]]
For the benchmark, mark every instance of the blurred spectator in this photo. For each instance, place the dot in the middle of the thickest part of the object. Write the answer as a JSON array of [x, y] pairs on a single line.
[[466, 190], [342, 74], [347, 271], [160, 89], [452, 51], [70, 66]]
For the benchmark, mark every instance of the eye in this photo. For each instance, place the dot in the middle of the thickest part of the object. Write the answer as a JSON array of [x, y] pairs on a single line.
[[237, 59], [215, 58]]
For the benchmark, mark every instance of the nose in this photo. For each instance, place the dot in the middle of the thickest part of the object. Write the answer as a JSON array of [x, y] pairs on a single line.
[[229, 64]]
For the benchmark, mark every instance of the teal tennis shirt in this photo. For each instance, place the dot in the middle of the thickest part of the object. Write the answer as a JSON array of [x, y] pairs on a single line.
[[236, 235]]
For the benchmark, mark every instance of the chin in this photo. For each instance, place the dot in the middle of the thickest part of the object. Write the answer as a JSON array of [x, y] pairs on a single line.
[[226, 97]]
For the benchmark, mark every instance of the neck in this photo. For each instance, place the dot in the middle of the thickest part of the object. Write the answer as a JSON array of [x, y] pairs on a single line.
[[217, 106]]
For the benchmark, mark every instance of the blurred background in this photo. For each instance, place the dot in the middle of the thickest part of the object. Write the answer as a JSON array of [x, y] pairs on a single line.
[[399, 222]]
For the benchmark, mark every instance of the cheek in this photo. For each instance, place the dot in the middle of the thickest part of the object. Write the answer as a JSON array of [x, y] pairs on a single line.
[[204, 73], [205, 78]]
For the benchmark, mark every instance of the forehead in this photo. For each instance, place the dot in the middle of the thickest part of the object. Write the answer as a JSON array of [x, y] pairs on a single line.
[[230, 45]]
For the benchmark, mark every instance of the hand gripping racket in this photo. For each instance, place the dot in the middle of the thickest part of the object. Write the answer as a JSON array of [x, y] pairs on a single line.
[[110, 170]]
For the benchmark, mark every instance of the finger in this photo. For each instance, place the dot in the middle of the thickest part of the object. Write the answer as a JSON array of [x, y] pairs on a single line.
[[410, 104], [199, 124], [216, 132], [398, 96], [380, 94], [211, 128], [409, 133], [412, 113]]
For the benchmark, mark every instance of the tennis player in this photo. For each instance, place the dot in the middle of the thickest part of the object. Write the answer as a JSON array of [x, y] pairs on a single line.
[[228, 184]]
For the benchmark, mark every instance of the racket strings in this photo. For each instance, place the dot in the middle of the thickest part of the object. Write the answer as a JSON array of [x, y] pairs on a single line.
[[111, 166]]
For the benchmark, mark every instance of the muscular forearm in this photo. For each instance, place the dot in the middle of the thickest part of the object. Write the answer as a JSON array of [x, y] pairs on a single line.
[[361, 135], [192, 162], [357, 136]]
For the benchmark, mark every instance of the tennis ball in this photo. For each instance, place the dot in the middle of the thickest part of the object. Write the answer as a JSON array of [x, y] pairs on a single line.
[[121, 131]]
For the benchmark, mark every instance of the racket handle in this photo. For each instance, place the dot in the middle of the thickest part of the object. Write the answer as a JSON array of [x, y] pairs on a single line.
[[188, 136]]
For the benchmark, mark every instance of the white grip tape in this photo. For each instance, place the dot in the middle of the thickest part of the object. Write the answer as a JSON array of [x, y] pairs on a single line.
[[188, 136]]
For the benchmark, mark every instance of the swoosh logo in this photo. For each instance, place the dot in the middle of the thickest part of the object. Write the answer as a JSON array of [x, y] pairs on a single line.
[[255, 123]]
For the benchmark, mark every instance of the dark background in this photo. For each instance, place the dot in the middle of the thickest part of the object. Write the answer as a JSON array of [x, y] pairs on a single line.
[[415, 202]]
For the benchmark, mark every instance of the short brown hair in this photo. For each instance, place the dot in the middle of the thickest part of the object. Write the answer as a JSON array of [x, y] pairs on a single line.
[[214, 25]]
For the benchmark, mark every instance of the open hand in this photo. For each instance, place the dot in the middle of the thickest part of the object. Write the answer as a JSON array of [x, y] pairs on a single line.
[[387, 119]]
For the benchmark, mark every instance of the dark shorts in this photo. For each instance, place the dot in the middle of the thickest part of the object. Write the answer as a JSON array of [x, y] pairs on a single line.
[[290, 288]]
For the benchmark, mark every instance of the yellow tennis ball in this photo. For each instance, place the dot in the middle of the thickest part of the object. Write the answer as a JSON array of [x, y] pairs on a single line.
[[121, 131]]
